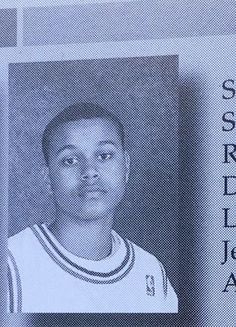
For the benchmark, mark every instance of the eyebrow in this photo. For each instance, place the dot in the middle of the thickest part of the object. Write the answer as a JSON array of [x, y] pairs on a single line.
[[65, 147], [107, 142], [73, 147]]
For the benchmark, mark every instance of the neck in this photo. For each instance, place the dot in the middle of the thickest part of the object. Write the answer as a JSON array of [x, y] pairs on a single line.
[[89, 239]]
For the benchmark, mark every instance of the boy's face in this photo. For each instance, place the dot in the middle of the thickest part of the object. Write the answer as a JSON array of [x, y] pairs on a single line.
[[88, 168]]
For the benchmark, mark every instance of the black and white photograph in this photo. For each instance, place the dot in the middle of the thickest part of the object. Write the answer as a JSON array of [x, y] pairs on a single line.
[[90, 160]]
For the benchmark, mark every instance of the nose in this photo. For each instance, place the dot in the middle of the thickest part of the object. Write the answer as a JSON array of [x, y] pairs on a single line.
[[90, 174]]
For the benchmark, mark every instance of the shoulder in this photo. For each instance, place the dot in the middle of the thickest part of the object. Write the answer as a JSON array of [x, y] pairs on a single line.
[[156, 277], [24, 247], [21, 240], [145, 261], [20, 235], [18, 247], [146, 257], [24, 258]]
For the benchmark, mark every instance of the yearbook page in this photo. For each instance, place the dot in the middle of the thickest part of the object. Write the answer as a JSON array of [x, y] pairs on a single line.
[[117, 162]]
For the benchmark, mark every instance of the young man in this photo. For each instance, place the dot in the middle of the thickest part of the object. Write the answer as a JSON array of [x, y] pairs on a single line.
[[78, 263]]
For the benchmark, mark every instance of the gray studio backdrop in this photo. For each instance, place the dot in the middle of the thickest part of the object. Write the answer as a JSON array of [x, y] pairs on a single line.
[[143, 93]]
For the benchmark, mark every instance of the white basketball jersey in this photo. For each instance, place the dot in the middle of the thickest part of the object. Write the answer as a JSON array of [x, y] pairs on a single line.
[[44, 277]]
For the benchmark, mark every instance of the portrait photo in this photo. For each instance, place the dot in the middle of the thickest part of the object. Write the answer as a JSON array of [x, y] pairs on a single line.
[[93, 186]]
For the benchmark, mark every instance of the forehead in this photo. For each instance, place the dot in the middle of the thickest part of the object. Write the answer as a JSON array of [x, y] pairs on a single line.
[[87, 131]]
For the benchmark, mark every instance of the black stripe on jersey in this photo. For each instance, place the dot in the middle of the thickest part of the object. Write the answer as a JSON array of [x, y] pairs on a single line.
[[12, 294], [77, 275], [84, 270], [11, 291], [164, 280]]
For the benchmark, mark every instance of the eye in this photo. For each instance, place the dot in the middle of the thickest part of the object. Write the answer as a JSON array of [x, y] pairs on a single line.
[[104, 156], [70, 161]]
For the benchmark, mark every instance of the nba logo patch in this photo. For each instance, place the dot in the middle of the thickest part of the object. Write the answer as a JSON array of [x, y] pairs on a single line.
[[150, 285]]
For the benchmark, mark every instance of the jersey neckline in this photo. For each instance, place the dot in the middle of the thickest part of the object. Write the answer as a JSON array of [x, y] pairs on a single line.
[[108, 270]]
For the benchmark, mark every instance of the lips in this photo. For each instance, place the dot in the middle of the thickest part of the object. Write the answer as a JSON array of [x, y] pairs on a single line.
[[91, 191]]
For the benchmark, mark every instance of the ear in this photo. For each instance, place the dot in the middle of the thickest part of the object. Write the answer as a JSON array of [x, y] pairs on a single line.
[[127, 165], [46, 178]]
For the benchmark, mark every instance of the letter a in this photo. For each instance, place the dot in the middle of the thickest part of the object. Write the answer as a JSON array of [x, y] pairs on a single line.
[[231, 277]]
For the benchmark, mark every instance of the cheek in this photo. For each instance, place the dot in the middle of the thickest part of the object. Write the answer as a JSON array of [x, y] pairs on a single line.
[[115, 175], [63, 180]]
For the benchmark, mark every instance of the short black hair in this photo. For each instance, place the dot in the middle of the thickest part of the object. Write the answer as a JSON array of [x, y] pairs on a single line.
[[75, 112]]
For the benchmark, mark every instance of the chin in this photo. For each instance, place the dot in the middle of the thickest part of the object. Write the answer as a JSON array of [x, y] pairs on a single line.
[[88, 210], [91, 212], [92, 216], [94, 213]]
